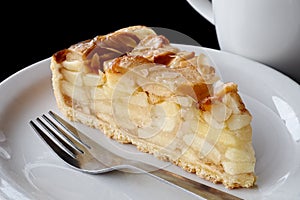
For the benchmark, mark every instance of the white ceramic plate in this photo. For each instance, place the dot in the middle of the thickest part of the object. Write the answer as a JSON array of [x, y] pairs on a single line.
[[29, 170]]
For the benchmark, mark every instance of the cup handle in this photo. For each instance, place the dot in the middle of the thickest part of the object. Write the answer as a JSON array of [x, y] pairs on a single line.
[[204, 7]]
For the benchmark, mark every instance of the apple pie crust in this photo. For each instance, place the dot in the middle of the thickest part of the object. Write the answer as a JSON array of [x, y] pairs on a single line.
[[137, 88]]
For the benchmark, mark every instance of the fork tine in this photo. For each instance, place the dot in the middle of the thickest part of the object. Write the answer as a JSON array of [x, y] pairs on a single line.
[[64, 153], [57, 137], [62, 135], [72, 131], [54, 143]]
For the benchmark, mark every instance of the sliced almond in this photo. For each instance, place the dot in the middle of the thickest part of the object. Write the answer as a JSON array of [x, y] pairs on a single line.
[[238, 121], [234, 102], [212, 122], [220, 112]]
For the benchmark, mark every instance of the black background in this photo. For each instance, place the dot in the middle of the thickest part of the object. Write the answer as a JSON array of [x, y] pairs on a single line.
[[33, 33]]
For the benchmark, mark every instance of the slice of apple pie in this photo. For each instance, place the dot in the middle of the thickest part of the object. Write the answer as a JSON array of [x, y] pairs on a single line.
[[138, 88]]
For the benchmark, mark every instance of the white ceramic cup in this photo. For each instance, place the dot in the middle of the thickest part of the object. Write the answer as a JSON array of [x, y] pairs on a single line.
[[267, 31]]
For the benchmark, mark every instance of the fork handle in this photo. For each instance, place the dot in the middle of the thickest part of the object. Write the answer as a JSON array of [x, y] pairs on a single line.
[[192, 186]]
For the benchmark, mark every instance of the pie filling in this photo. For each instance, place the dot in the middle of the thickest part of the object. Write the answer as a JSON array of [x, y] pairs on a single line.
[[137, 88]]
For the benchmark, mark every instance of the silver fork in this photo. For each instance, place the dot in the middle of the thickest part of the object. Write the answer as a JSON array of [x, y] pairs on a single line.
[[83, 154]]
